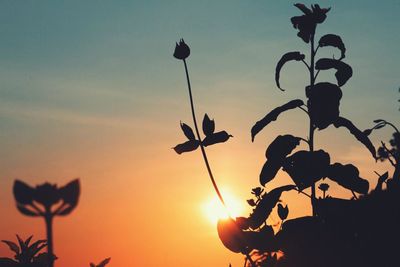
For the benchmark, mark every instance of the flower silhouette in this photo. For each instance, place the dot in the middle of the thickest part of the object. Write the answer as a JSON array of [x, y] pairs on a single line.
[[307, 23], [182, 50], [47, 201]]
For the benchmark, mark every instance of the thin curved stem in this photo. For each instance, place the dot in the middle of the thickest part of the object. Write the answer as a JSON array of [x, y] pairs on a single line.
[[306, 111], [394, 127], [305, 63], [203, 152]]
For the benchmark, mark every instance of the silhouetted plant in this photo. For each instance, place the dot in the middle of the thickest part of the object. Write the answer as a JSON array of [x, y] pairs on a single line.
[[26, 254], [101, 264], [47, 201]]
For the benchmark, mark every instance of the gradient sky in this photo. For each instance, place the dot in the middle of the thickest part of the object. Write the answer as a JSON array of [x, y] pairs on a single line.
[[90, 89]]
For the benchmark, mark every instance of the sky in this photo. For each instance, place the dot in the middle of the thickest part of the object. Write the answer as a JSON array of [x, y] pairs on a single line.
[[90, 89]]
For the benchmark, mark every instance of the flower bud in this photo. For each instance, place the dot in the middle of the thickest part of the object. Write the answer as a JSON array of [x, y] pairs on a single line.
[[182, 50]]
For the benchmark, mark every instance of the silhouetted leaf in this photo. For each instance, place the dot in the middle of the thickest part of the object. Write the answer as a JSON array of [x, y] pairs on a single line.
[[273, 115], [13, 247], [104, 262], [323, 187], [348, 177], [335, 41], [307, 167], [323, 103], [257, 191], [379, 121], [208, 125], [219, 137], [367, 132], [187, 131], [5, 262], [285, 58], [276, 153], [283, 212], [379, 126], [23, 193], [381, 180], [363, 138], [70, 192], [187, 146], [251, 202], [264, 207], [230, 235], [67, 210], [26, 211], [343, 70]]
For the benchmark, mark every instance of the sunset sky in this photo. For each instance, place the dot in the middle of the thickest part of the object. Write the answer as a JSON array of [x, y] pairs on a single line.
[[90, 89]]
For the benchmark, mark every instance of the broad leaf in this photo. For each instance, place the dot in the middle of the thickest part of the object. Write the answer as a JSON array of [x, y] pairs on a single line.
[[273, 115], [276, 154], [264, 207], [219, 137], [361, 136], [283, 212], [187, 131], [231, 235], [307, 167], [187, 146], [285, 58], [251, 202], [348, 176], [208, 125], [70, 192], [335, 41], [23, 193], [343, 70]]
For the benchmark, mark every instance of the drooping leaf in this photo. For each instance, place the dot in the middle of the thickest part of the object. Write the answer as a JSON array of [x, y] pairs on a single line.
[[264, 207], [187, 131], [273, 115], [348, 176], [187, 146], [276, 154], [23, 193], [251, 202], [28, 212], [231, 236], [307, 167], [208, 125], [323, 103], [363, 138], [13, 247], [70, 192], [343, 70], [283, 212], [381, 180], [335, 41], [285, 58], [218, 137]]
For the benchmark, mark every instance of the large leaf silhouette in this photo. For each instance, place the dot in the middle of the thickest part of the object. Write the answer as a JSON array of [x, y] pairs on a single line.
[[307, 167], [264, 208], [276, 154], [343, 70], [285, 58], [273, 115], [348, 177], [323, 103], [335, 41], [360, 135]]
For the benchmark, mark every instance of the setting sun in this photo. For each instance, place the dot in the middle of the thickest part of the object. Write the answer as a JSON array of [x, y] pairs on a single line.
[[214, 210]]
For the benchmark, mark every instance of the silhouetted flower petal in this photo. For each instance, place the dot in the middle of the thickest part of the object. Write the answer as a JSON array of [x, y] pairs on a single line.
[[283, 212], [23, 193], [47, 194], [208, 125], [307, 23], [182, 50], [187, 131], [323, 187], [70, 192], [323, 103]]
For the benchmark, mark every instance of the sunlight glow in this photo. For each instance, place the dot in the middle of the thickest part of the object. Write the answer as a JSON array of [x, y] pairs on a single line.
[[214, 210]]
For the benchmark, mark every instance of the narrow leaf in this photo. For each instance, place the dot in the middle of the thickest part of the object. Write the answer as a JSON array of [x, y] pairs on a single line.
[[273, 115], [187, 131], [187, 146], [28, 212], [104, 262], [335, 41], [208, 125], [13, 247], [67, 210], [348, 177], [219, 137], [343, 70], [285, 58], [363, 138]]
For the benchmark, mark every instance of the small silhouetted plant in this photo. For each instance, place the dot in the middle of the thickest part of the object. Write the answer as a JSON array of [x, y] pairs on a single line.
[[27, 254], [101, 264], [47, 201]]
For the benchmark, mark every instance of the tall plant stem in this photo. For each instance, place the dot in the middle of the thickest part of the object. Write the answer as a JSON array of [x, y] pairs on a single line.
[[312, 128], [49, 231], [203, 152]]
